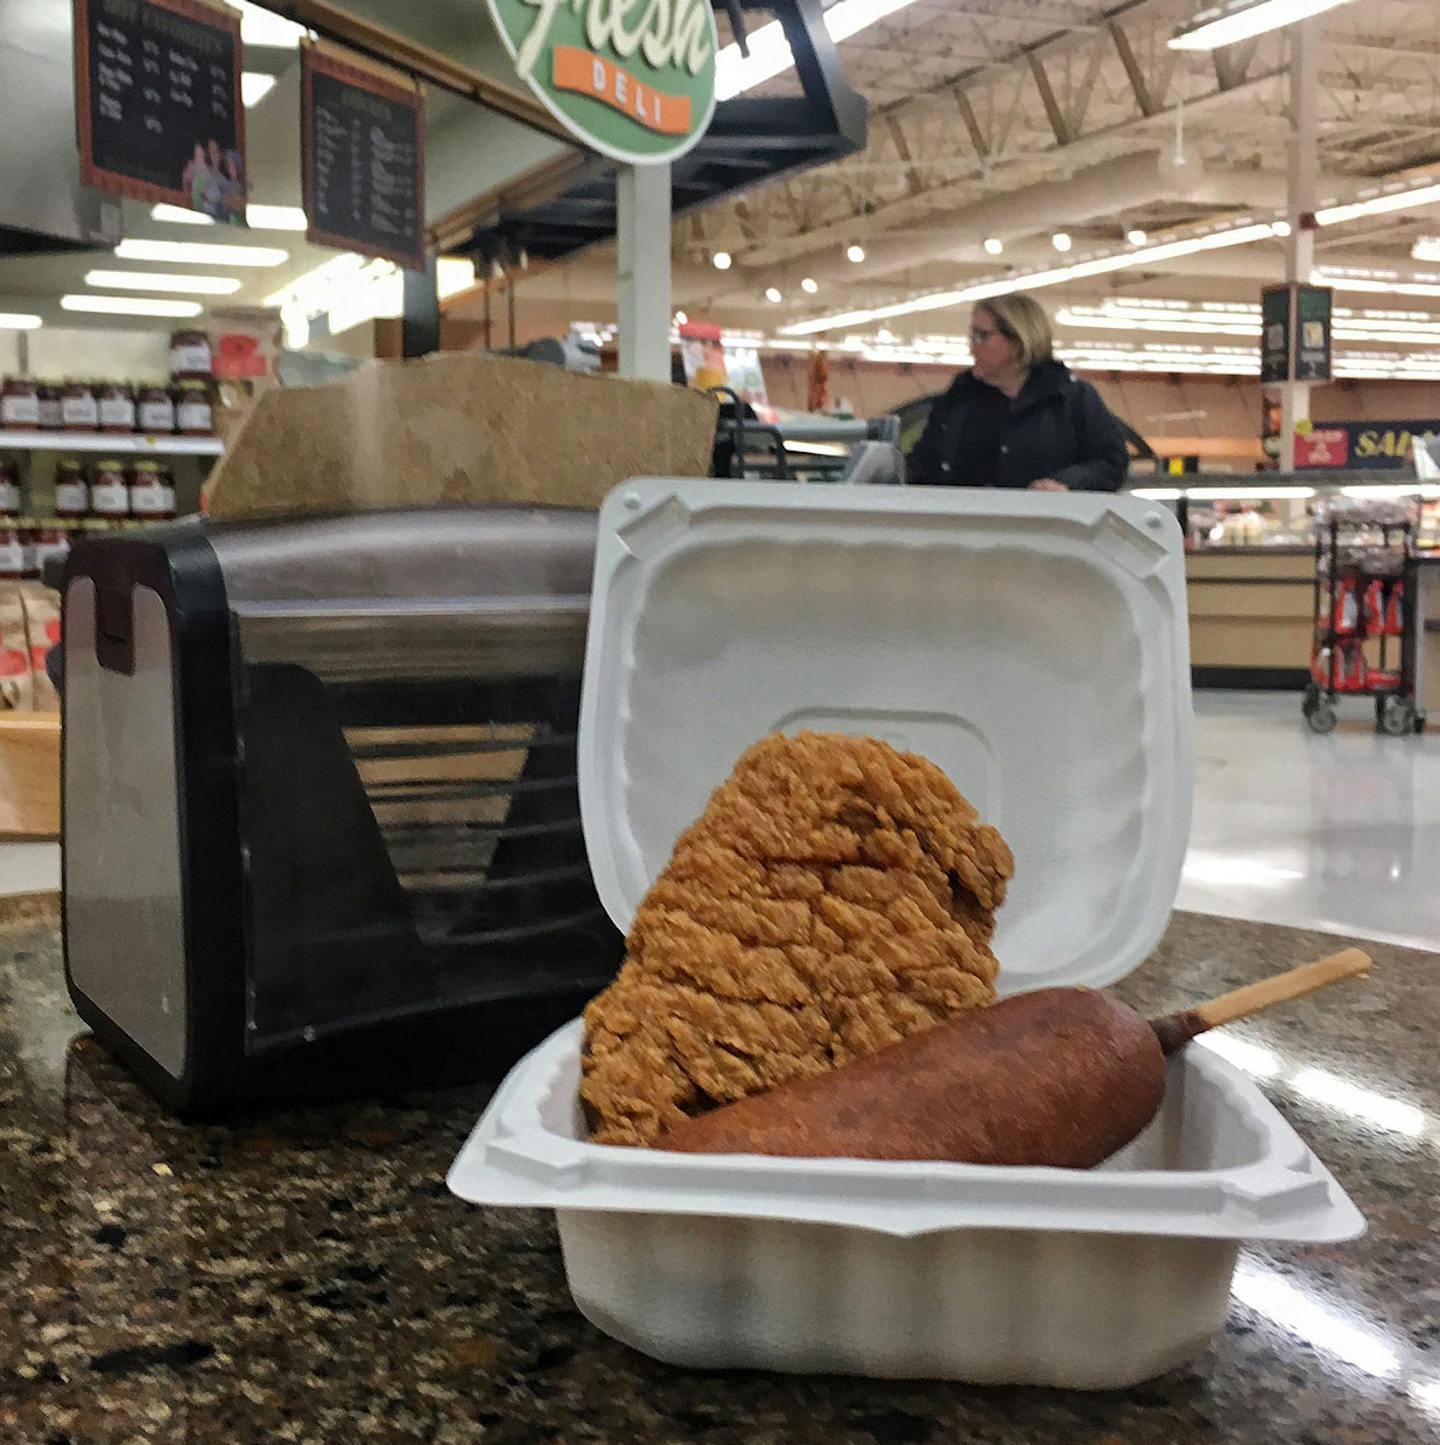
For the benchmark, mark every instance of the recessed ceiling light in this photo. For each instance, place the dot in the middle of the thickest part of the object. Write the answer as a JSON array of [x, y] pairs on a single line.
[[809, 285], [18, 321], [1061, 241], [772, 295], [681, 318], [993, 245], [163, 281], [722, 260], [1137, 237], [255, 85], [130, 306], [855, 253], [201, 253]]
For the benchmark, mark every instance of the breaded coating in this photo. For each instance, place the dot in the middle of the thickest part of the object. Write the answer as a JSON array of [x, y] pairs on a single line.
[[835, 897]]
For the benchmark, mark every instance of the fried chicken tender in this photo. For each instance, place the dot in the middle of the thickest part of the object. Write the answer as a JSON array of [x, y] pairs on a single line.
[[835, 897]]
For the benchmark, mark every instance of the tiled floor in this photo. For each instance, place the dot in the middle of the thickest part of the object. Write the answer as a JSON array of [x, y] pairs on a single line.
[[1339, 833]]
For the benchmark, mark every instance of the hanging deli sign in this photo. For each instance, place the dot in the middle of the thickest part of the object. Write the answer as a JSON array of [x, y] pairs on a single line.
[[632, 79]]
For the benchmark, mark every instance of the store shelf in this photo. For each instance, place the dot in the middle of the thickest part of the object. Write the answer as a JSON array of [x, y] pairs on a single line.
[[112, 446]]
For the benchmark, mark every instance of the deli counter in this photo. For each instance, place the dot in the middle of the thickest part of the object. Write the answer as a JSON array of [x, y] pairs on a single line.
[[1251, 564]]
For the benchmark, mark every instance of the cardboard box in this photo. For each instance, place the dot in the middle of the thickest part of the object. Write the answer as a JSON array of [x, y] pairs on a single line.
[[458, 428]]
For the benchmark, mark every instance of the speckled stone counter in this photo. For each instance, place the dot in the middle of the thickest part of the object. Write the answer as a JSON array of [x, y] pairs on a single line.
[[307, 1277]]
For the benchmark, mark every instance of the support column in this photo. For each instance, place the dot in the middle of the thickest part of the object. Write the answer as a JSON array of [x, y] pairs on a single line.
[[420, 317], [643, 203], [1300, 206]]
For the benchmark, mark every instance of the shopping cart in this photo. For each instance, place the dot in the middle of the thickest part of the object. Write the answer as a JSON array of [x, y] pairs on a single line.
[[1366, 642]]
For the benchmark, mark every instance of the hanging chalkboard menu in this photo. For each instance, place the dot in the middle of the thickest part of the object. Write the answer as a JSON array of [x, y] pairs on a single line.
[[363, 140], [157, 93]]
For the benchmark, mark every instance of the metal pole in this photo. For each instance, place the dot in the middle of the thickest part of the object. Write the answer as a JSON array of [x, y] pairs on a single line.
[[643, 197], [1305, 41]]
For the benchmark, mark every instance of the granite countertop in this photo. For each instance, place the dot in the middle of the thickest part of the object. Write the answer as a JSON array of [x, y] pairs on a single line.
[[307, 1277]]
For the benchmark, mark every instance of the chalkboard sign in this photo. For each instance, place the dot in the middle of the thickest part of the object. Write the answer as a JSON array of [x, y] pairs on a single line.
[[363, 140], [157, 93]]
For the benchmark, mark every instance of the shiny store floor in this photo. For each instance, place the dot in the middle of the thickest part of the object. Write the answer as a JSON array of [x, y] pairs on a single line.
[[1340, 833]]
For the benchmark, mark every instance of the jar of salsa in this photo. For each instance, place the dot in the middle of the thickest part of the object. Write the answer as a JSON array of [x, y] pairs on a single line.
[[109, 494], [191, 356], [19, 404], [78, 408], [115, 403], [52, 416], [72, 490], [152, 491], [155, 410], [194, 411]]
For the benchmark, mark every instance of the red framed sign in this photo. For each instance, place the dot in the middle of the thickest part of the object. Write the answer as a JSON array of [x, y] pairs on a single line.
[[362, 142], [157, 101]]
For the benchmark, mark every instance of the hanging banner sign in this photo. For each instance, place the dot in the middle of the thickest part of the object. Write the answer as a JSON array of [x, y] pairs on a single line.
[[1276, 325], [157, 100], [636, 83], [362, 148], [1364, 446], [1313, 305]]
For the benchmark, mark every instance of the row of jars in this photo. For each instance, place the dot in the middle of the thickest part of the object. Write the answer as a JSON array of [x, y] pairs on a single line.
[[184, 407], [24, 551], [107, 489]]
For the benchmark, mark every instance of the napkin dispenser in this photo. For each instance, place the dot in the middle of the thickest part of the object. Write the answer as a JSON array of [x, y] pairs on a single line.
[[321, 832]]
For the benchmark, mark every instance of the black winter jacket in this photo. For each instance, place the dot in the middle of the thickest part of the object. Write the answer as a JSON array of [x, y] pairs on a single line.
[[1057, 427]]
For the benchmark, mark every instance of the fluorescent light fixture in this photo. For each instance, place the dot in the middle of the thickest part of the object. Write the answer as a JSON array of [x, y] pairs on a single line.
[[130, 306], [1034, 280], [1266, 874], [257, 217], [1427, 248], [854, 253], [1281, 229], [994, 246], [722, 260], [809, 285], [1403, 196], [1256, 1060], [264, 28], [1320, 1324], [275, 218], [1137, 237], [1159, 494], [255, 85], [180, 215], [770, 53], [1360, 1103], [18, 321], [1392, 492], [1061, 241], [773, 296], [163, 281], [1243, 19], [200, 253]]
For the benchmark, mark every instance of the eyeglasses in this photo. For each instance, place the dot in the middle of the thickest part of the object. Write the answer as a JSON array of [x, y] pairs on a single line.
[[983, 333]]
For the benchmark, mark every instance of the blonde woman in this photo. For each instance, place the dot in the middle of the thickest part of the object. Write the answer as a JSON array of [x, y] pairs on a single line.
[[1018, 418]]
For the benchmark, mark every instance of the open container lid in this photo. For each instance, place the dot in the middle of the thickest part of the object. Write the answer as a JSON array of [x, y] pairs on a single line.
[[1034, 646]]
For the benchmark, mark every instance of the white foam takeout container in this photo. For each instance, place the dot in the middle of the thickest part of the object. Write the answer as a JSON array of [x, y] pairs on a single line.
[[1035, 648]]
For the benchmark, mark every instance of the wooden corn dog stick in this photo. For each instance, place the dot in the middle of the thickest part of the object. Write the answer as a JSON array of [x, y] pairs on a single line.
[[1176, 1030]]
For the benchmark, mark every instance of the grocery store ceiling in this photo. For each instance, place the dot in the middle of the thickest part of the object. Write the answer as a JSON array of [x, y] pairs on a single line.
[[992, 121]]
